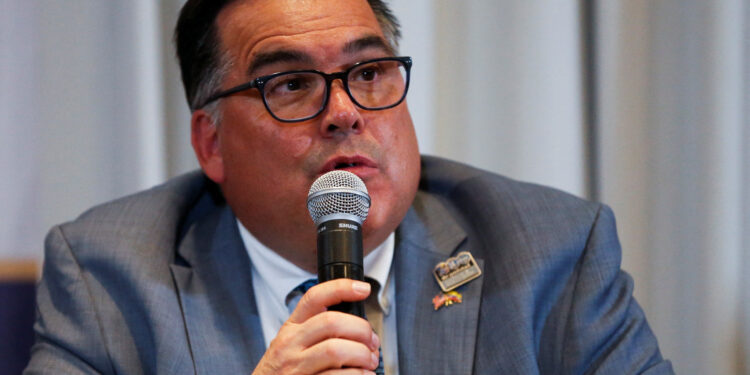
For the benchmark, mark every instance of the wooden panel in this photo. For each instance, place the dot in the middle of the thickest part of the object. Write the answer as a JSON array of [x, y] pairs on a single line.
[[18, 270]]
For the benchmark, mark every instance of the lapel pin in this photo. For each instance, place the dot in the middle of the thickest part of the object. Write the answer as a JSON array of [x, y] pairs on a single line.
[[446, 299], [456, 271]]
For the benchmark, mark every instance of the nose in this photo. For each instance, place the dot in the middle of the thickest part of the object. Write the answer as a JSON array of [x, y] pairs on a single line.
[[341, 116]]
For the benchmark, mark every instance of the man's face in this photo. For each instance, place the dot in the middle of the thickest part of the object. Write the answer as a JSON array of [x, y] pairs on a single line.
[[266, 167]]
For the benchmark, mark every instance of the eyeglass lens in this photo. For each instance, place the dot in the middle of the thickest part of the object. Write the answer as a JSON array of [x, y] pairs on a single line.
[[373, 85]]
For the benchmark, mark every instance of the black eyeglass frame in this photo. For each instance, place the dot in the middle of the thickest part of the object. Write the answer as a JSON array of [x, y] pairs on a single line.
[[260, 82]]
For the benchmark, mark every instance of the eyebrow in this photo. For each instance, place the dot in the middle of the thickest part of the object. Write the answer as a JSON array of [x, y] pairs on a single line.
[[264, 59], [275, 57], [370, 41]]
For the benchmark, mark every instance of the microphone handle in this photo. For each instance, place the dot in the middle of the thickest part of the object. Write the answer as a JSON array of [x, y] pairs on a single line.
[[340, 255]]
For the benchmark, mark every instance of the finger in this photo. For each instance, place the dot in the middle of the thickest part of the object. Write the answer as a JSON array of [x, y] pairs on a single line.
[[334, 324], [347, 371], [329, 293], [337, 354]]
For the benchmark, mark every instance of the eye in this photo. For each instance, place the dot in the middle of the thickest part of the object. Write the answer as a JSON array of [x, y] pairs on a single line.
[[367, 73], [291, 83]]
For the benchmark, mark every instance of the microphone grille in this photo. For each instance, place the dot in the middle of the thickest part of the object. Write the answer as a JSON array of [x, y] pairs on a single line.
[[338, 194]]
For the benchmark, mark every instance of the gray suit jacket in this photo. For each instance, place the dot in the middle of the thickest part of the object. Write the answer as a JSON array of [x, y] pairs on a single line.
[[160, 282]]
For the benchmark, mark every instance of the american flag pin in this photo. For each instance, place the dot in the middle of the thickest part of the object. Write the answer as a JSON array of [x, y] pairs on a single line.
[[446, 299]]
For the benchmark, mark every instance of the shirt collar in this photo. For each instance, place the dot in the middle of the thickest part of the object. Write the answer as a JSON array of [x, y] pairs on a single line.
[[282, 276], [279, 275], [378, 266]]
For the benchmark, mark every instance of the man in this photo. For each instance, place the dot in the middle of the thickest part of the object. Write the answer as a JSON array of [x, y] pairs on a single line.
[[185, 278]]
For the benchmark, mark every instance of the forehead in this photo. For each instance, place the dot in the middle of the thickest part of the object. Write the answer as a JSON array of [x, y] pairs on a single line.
[[247, 28]]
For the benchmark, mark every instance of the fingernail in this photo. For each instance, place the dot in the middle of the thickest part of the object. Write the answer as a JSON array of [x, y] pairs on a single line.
[[361, 287], [374, 341], [374, 360]]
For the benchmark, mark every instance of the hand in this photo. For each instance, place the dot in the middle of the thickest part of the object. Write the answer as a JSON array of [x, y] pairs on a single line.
[[316, 341]]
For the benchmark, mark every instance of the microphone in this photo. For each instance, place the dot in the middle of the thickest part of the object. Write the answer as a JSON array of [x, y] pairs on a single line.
[[338, 204]]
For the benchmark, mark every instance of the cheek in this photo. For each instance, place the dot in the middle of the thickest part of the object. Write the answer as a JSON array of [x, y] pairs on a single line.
[[272, 143], [401, 154], [400, 147], [299, 146]]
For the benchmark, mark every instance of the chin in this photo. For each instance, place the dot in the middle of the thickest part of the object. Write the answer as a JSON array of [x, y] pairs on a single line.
[[379, 224]]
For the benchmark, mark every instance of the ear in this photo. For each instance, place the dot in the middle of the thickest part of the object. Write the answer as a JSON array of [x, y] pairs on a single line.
[[204, 135]]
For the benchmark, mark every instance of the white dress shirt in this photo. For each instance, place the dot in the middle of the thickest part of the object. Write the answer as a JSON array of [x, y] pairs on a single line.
[[274, 277]]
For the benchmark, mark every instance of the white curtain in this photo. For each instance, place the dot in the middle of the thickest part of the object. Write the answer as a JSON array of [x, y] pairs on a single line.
[[674, 122], [19, 133], [82, 93], [508, 88], [93, 109]]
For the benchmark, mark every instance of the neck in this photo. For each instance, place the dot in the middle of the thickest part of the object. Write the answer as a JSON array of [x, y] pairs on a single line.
[[307, 259]]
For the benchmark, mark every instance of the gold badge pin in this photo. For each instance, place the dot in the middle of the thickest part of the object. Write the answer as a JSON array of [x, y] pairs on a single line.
[[456, 271]]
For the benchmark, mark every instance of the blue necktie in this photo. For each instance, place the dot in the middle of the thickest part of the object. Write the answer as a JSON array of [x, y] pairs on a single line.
[[292, 299]]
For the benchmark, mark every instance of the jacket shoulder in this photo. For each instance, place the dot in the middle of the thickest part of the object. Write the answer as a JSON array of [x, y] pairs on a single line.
[[174, 193], [107, 293], [476, 187], [149, 219]]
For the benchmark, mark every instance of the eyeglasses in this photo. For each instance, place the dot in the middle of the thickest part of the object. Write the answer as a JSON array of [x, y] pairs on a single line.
[[300, 95]]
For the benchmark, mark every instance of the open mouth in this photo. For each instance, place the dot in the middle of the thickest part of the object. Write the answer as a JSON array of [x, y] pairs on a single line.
[[359, 165], [345, 165]]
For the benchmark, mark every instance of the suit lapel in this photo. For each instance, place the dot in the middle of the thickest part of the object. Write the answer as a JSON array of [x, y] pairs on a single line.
[[213, 278], [429, 341]]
